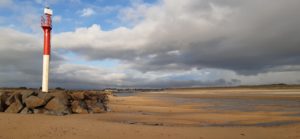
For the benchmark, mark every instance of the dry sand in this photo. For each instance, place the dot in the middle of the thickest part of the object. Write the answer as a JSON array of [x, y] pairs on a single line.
[[173, 114]]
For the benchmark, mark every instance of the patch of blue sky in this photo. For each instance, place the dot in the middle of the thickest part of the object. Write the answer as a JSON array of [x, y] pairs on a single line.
[[106, 13], [106, 63], [122, 2]]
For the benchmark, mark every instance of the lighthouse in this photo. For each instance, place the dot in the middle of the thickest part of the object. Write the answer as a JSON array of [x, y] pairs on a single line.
[[46, 24]]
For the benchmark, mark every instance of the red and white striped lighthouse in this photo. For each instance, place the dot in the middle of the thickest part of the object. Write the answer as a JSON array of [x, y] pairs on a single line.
[[46, 23]]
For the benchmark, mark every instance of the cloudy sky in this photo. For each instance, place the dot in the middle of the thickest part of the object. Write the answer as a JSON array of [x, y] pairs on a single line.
[[152, 43]]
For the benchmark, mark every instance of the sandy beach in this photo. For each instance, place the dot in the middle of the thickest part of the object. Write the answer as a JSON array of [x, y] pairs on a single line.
[[149, 69], [176, 114]]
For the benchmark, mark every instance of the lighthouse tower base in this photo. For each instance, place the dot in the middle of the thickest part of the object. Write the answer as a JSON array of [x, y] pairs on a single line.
[[45, 82]]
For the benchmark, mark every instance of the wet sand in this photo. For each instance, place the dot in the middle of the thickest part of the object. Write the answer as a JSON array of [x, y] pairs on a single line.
[[176, 113]]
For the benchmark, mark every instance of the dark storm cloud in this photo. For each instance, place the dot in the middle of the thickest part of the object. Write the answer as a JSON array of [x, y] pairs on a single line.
[[248, 37], [256, 37], [184, 83], [95, 54], [81, 83], [21, 59]]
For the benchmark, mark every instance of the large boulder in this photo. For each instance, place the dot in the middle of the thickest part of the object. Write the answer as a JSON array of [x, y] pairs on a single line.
[[45, 96], [27, 94], [94, 106], [3, 98], [59, 105], [77, 96], [96, 102], [33, 102], [11, 99], [95, 95], [102, 101], [79, 106], [17, 105], [91, 102]]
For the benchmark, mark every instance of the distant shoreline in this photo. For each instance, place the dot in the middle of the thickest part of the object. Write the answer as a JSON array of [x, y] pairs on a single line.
[[265, 86]]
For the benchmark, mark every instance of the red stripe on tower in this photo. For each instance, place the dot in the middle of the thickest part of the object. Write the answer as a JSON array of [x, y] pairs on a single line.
[[47, 43]]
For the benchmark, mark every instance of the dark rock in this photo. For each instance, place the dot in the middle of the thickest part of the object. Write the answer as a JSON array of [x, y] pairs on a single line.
[[33, 102], [90, 95], [59, 105], [27, 94], [103, 99], [3, 98], [10, 99], [45, 96], [97, 102], [14, 108], [56, 102], [61, 95], [94, 106], [17, 105], [77, 96], [79, 106]]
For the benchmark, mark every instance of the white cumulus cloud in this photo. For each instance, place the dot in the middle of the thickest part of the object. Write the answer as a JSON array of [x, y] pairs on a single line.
[[86, 12]]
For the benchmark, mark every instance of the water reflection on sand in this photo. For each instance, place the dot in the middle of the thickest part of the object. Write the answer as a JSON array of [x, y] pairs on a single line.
[[215, 108]]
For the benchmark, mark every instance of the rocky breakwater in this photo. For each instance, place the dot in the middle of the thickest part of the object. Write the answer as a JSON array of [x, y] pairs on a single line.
[[54, 103]]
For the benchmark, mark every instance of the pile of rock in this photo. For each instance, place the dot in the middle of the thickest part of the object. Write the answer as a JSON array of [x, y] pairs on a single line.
[[54, 103]]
